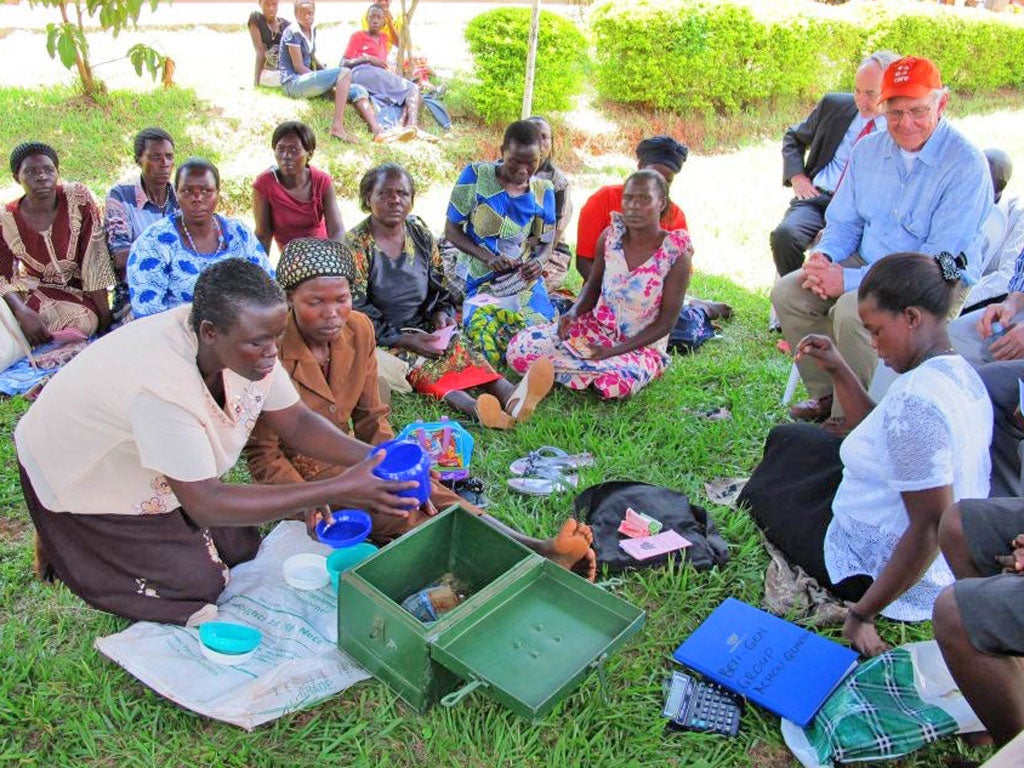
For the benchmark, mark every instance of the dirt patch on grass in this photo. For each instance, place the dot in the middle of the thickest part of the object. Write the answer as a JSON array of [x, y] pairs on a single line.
[[14, 529]]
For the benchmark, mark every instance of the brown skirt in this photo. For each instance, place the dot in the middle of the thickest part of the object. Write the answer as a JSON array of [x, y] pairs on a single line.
[[148, 567]]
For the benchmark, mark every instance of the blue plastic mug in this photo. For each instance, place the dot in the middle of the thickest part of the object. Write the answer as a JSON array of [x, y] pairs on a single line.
[[405, 461]]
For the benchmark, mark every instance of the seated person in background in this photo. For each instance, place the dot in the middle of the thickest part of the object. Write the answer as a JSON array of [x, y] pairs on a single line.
[[861, 515], [265, 29], [615, 337], [815, 153], [166, 260], [303, 77], [658, 153], [500, 229], [561, 256], [54, 265], [366, 56], [399, 285], [999, 256], [135, 204], [392, 26], [329, 351], [920, 185], [293, 199], [977, 621], [121, 473], [1000, 363]]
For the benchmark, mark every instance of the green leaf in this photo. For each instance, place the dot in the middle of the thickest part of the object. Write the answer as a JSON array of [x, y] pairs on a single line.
[[66, 47]]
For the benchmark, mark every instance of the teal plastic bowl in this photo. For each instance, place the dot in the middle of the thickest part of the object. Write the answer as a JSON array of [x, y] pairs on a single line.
[[343, 559], [229, 638]]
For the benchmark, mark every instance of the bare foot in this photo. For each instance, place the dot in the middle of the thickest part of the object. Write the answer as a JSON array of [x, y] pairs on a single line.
[[344, 136], [571, 549]]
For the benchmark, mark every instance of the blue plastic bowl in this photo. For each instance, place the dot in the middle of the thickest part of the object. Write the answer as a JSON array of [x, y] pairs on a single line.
[[228, 637], [350, 526], [340, 561], [405, 461]]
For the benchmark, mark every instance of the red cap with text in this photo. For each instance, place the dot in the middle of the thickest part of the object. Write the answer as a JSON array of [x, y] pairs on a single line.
[[911, 77]]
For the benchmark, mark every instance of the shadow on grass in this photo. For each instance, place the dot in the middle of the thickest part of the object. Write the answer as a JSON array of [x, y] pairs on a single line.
[[63, 703]]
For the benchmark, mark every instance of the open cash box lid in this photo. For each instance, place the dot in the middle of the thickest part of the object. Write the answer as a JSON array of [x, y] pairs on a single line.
[[532, 644]]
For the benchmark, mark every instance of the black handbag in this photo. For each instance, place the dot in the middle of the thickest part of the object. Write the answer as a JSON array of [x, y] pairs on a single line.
[[603, 508]]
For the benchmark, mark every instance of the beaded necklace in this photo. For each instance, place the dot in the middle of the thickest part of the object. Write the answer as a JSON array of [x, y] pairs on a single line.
[[192, 243]]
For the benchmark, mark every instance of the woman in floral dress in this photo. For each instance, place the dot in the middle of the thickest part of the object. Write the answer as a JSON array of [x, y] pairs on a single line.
[[615, 337]]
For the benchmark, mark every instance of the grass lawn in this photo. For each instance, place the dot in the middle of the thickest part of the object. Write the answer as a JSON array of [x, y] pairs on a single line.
[[62, 703]]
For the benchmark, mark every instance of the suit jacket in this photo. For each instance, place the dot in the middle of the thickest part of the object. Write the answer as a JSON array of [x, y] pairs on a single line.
[[810, 146], [349, 399]]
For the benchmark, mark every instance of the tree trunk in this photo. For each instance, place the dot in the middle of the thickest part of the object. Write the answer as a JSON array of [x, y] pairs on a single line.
[[405, 38], [531, 61], [81, 58]]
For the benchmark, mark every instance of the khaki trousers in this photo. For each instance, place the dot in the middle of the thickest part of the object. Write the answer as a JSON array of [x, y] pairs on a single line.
[[801, 312]]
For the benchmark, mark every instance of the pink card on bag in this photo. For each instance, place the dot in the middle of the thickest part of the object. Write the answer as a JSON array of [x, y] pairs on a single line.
[[650, 546]]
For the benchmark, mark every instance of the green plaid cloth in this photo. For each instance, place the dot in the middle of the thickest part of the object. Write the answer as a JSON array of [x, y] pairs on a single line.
[[877, 713]]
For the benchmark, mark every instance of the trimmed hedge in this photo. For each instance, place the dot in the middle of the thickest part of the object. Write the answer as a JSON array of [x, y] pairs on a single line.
[[498, 41], [685, 55]]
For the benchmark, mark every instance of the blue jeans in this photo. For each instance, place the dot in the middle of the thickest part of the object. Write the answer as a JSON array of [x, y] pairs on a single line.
[[316, 83]]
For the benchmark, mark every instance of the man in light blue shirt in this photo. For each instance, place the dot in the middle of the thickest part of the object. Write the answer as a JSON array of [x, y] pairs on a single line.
[[920, 186]]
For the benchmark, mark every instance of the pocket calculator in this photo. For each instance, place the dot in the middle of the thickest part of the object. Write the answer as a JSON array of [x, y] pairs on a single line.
[[694, 705]]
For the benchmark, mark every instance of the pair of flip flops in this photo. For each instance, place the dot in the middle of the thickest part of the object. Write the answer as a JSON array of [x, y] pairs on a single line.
[[547, 470]]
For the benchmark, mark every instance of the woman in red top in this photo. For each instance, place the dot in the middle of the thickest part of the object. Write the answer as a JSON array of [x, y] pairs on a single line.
[[292, 200], [366, 55]]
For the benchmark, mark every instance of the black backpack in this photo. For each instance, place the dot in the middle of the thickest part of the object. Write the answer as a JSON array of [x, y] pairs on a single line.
[[603, 508]]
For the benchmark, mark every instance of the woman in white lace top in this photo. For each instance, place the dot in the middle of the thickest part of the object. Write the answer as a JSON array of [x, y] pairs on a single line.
[[924, 446]]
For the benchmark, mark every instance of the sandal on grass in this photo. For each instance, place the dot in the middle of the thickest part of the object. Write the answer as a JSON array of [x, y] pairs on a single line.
[[550, 456], [532, 388], [543, 481]]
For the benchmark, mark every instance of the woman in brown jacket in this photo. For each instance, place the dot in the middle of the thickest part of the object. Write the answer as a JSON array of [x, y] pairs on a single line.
[[328, 350]]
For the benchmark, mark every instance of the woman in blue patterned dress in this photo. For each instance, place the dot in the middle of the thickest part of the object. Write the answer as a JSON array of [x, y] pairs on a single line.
[[166, 260], [500, 228]]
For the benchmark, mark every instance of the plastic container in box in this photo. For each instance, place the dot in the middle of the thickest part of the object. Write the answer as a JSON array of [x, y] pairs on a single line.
[[528, 632]]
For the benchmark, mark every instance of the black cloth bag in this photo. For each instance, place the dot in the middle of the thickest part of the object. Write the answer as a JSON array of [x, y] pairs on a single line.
[[603, 508]]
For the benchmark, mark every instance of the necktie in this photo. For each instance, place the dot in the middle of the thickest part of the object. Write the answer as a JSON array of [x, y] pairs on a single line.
[[869, 126]]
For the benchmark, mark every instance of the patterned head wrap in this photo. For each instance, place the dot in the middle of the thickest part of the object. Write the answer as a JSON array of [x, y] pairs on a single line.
[[952, 267], [309, 257], [29, 148]]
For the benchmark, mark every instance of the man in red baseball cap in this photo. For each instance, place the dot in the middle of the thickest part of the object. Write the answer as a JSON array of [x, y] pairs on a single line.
[[914, 101], [918, 186]]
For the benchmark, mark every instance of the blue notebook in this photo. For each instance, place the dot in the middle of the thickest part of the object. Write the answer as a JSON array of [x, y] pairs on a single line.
[[773, 662]]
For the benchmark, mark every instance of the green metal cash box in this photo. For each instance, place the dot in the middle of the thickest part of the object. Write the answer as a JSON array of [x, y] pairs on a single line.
[[528, 632]]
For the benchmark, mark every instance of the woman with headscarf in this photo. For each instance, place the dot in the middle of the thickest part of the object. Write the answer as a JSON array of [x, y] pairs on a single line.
[[54, 264], [328, 349]]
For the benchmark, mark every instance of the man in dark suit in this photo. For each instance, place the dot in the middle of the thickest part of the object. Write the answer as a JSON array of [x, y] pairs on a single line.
[[814, 156]]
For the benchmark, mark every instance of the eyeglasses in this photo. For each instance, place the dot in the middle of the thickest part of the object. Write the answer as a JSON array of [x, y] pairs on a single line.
[[916, 113], [288, 151]]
